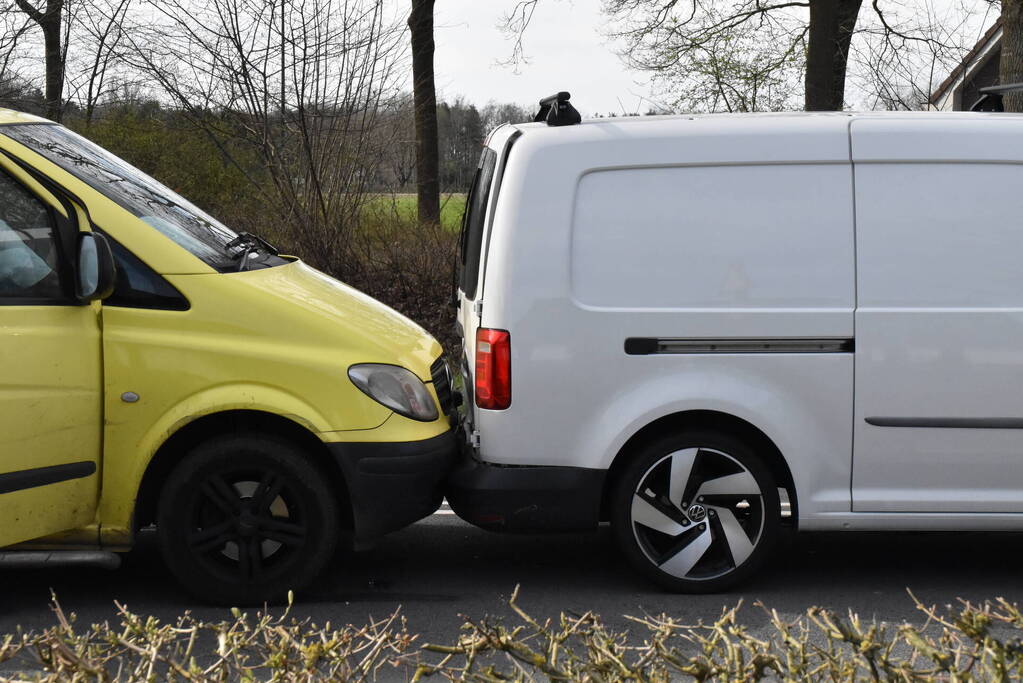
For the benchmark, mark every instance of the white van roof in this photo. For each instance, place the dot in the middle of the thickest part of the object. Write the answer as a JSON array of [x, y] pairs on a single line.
[[768, 119], [733, 138]]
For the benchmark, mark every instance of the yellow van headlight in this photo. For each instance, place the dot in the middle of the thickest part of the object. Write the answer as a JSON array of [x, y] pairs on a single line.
[[395, 387]]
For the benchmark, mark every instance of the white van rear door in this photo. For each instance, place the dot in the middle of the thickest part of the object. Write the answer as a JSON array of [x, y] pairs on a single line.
[[939, 322], [472, 252]]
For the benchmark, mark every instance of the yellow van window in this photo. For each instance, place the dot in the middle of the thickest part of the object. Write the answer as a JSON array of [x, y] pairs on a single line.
[[28, 246]]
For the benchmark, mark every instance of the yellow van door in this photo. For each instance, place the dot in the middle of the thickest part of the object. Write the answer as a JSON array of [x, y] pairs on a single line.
[[50, 369]]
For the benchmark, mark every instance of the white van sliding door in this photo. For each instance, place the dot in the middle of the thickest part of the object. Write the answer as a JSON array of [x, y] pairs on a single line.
[[939, 321]]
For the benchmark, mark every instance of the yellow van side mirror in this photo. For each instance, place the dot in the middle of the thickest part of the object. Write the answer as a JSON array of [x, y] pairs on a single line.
[[96, 272]]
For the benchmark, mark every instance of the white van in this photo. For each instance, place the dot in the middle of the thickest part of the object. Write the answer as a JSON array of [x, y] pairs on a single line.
[[702, 329]]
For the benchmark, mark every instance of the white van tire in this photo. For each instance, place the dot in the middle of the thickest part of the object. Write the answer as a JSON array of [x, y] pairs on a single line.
[[726, 528], [243, 519]]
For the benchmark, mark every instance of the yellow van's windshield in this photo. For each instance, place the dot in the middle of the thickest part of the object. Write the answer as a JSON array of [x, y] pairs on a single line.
[[156, 204]]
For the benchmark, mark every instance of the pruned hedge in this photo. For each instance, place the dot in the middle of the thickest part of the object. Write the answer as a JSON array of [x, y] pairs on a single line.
[[965, 642]]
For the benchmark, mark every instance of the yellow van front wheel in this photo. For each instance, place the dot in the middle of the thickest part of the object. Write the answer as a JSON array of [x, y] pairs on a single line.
[[243, 519]]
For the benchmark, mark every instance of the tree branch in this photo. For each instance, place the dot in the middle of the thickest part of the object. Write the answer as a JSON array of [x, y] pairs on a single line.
[[31, 11]]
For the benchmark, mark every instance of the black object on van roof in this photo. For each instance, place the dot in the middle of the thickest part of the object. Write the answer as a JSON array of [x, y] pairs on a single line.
[[557, 111], [991, 97]]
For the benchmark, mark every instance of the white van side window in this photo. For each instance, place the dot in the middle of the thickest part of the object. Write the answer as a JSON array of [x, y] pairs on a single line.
[[714, 237]]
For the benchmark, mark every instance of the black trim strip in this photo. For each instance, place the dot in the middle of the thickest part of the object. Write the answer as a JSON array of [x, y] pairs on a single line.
[[948, 422], [644, 346], [43, 476]]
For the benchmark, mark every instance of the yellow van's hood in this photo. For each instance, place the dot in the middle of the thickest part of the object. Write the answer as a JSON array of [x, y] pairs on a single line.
[[341, 312]]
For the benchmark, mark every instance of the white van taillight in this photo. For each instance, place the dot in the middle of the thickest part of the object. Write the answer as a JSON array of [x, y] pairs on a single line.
[[493, 369]]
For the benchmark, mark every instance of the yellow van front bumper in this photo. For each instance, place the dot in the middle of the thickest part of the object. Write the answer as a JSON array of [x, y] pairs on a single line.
[[392, 485]]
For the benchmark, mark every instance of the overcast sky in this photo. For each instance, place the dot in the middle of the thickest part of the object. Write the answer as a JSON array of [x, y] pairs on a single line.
[[566, 51], [565, 48]]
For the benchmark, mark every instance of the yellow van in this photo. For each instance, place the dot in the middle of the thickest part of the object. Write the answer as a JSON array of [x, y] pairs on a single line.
[[159, 368]]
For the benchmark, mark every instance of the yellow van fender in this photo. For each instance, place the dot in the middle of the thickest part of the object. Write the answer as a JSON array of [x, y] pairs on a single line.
[[235, 396], [121, 480]]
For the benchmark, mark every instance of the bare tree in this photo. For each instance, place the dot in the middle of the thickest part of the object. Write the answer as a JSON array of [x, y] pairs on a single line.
[[398, 143], [736, 71], [892, 72], [101, 27], [691, 37], [79, 38], [296, 82], [424, 91], [831, 27], [48, 18], [1010, 67], [494, 114], [15, 89]]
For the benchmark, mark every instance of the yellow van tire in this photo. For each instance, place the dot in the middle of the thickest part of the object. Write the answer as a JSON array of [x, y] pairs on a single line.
[[243, 519]]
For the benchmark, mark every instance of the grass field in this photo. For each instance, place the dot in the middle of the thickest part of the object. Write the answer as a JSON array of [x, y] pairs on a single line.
[[404, 206]]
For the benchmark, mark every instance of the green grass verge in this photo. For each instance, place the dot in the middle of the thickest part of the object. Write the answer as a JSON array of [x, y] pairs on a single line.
[[452, 205]]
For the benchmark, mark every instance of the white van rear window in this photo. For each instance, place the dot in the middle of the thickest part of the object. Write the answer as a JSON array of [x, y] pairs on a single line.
[[473, 224]]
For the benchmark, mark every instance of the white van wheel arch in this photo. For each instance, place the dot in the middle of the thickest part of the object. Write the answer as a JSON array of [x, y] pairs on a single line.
[[707, 421]]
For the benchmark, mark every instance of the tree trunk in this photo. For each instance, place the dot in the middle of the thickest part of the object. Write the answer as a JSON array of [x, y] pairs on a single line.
[[54, 60], [831, 28], [49, 21], [424, 93], [1010, 67]]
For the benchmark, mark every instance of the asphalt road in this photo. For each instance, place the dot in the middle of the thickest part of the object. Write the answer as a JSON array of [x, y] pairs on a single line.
[[441, 568]]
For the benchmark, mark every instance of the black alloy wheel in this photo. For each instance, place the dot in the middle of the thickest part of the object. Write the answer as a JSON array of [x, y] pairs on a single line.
[[244, 519]]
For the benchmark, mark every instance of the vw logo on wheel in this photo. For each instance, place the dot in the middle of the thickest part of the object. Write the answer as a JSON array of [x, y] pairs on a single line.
[[697, 512]]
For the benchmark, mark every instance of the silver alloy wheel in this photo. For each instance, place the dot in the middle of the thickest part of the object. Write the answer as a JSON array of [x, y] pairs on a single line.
[[697, 513]]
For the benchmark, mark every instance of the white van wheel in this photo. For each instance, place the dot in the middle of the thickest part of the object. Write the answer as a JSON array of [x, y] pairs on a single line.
[[696, 512]]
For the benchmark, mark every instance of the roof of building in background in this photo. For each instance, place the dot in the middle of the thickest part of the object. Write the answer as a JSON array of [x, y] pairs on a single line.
[[971, 62]]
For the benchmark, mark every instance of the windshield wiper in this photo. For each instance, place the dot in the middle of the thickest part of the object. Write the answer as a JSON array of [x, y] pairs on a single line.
[[247, 243]]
